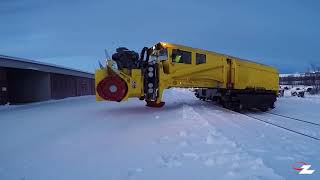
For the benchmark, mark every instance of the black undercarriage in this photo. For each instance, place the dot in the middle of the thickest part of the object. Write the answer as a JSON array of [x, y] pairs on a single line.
[[238, 100]]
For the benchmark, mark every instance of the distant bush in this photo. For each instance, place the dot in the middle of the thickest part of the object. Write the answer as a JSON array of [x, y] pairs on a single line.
[[315, 90]]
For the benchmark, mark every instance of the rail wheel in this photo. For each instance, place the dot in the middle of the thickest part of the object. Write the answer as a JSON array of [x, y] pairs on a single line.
[[155, 104]]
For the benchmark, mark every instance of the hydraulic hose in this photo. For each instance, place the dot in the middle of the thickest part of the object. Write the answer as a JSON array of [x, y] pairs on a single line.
[[141, 60]]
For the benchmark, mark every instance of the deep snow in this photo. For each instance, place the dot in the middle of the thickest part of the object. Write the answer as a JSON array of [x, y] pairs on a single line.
[[79, 138]]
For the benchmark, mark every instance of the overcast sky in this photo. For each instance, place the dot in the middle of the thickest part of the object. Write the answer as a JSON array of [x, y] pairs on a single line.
[[285, 33]]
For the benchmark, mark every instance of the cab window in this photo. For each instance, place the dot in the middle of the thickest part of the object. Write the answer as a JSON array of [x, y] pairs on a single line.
[[200, 58], [179, 56]]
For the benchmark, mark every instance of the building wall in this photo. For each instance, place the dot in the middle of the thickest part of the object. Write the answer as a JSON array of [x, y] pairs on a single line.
[[28, 86], [63, 86], [85, 86], [3, 86]]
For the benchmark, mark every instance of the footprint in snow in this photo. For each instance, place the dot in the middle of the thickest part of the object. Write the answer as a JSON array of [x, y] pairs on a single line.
[[169, 161], [163, 140], [209, 139], [183, 134], [132, 172], [209, 162], [211, 136], [284, 158], [184, 144], [258, 150], [193, 156]]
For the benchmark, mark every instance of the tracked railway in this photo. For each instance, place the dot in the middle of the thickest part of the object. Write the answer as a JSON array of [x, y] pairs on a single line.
[[290, 129], [292, 118], [264, 119], [258, 117]]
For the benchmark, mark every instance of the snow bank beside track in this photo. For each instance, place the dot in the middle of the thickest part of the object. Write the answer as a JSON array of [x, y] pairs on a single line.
[[186, 139]]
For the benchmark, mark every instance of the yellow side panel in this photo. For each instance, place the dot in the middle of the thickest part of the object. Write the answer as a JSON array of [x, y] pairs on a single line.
[[135, 84], [99, 75], [207, 75], [253, 75]]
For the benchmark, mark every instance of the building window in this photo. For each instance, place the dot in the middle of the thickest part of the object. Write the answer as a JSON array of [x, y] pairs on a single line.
[[179, 56], [200, 58]]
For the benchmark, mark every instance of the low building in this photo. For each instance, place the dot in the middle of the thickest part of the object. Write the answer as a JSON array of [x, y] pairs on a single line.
[[24, 81]]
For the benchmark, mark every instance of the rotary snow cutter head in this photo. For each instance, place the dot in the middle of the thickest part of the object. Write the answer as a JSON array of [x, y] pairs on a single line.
[[134, 76], [112, 88]]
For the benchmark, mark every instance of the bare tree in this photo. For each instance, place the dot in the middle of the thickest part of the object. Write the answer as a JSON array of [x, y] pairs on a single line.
[[314, 68]]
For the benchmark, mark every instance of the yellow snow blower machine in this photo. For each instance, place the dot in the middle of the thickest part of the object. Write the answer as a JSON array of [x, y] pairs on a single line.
[[234, 82]]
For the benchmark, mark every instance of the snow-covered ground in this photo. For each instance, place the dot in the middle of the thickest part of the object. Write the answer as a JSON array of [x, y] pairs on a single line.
[[79, 138]]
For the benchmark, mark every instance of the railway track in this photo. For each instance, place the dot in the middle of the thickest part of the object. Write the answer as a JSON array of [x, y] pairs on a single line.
[[294, 119], [264, 120]]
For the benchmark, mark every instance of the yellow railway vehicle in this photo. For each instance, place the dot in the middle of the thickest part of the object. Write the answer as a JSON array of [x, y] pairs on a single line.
[[234, 82]]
